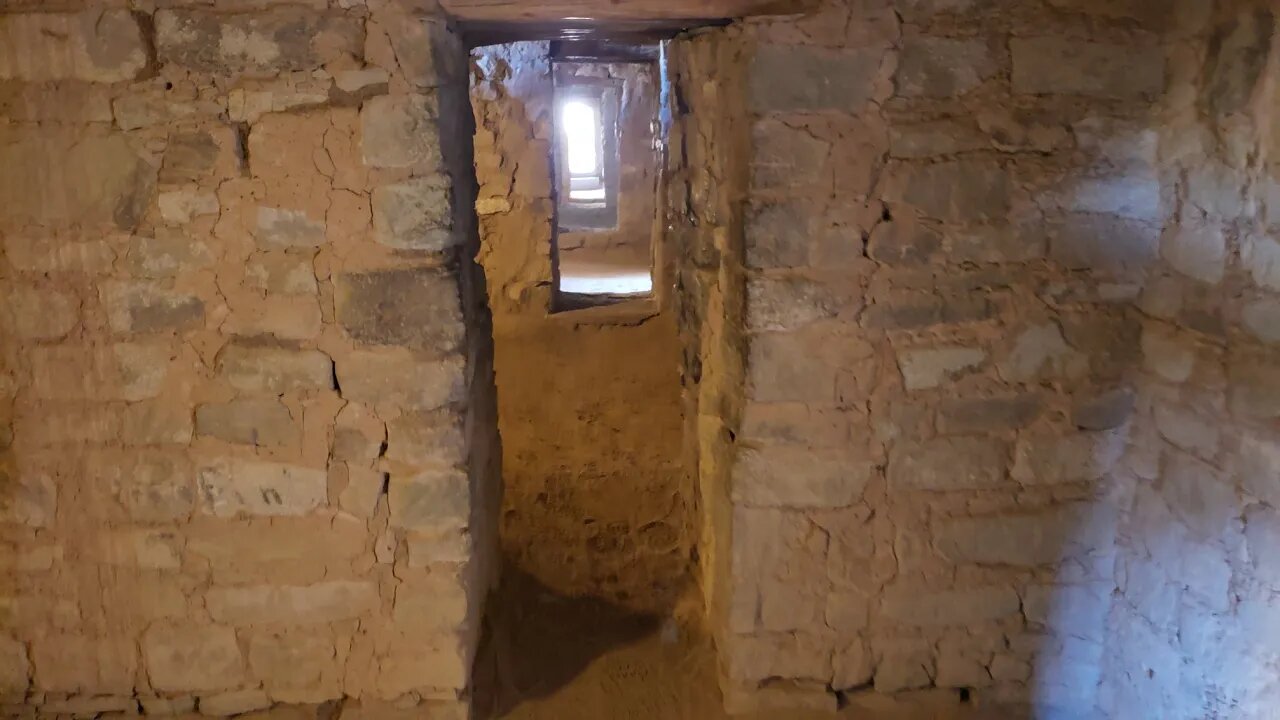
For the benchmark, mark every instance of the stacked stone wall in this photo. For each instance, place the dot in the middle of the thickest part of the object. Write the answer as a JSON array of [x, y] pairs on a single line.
[[248, 451]]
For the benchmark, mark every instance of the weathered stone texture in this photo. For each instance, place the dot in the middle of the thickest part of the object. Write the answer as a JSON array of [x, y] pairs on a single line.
[[262, 43], [1053, 65], [104, 45], [410, 308]]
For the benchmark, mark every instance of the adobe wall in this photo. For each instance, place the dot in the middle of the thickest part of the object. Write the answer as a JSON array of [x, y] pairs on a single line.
[[248, 451]]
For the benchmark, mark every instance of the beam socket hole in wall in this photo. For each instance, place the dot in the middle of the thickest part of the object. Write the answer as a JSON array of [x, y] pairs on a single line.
[[606, 166]]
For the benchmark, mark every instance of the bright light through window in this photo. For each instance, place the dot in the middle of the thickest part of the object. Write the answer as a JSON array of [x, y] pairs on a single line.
[[581, 124]]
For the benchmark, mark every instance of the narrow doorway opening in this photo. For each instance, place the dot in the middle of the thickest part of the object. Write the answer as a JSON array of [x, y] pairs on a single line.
[[596, 527]]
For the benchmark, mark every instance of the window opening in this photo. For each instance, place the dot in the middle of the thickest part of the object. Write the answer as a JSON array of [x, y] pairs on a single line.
[[606, 167]]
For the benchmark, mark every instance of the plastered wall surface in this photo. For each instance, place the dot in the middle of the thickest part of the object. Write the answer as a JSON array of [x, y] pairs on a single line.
[[247, 447], [1008, 418], [596, 500]]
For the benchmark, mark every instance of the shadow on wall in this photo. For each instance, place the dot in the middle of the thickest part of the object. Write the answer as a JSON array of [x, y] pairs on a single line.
[[1051, 317]]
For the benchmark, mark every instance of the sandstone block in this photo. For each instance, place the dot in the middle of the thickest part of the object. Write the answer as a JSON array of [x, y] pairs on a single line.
[[793, 655], [400, 131], [853, 666], [30, 497], [1105, 243], [427, 439], [1105, 411], [1189, 430], [1196, 250], [281, 273], [963, 606], [942, 67], [260, 43], [40, 313], [274, 370], [233, 486], [932, 139], [166, 255], [1198, 495], [292, 604], [904, 666], [431, 548], [1027, 540], [778, 234], [954, 190], [101, 45], [1070, 459], [1078, 610], [234, 702], [150, 549], [281, 228], [904, 242], [430, 501], [1261, 318], [413, 46], [152, 486], [187, 658], [156, 423], [1168, 354], [15, 670], [189, 157], [150, 308], [95, 665], [313, 540], [416, 308], [401, 379], [51, 254], [410, 665], [121, 371], [790, 78], [791, 303], [296, 666], [1041, 351], [1064, 66], [983, 415], [948, 464], [179, 207], [364, 489], [915, 311], [358, 435], [111, 185], [782, 154], [778, 476], [1261, 257], [794, 423], [415, 215], [248, 422], [296, 317], [433, 603], [924, 368]]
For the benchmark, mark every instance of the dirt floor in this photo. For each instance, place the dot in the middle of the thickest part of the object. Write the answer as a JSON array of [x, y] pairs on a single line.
[[550, 657], [595, 498]]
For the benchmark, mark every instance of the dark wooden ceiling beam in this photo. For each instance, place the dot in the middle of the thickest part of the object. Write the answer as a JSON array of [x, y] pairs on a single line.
[[609, 11]]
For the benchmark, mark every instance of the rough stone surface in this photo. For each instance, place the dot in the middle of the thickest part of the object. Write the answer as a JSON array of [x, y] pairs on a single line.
[[1051, 65], [410, 308], [103, 45], [232, 487], [415, 215], [399, 131], [263, 43]]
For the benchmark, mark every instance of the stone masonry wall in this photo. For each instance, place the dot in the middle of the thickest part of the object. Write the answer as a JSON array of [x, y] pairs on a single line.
[[1192, 633], [247, 446], [952, 206]]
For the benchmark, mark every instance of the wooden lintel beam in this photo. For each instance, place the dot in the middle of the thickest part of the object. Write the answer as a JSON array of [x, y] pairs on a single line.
[[608, 11]]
